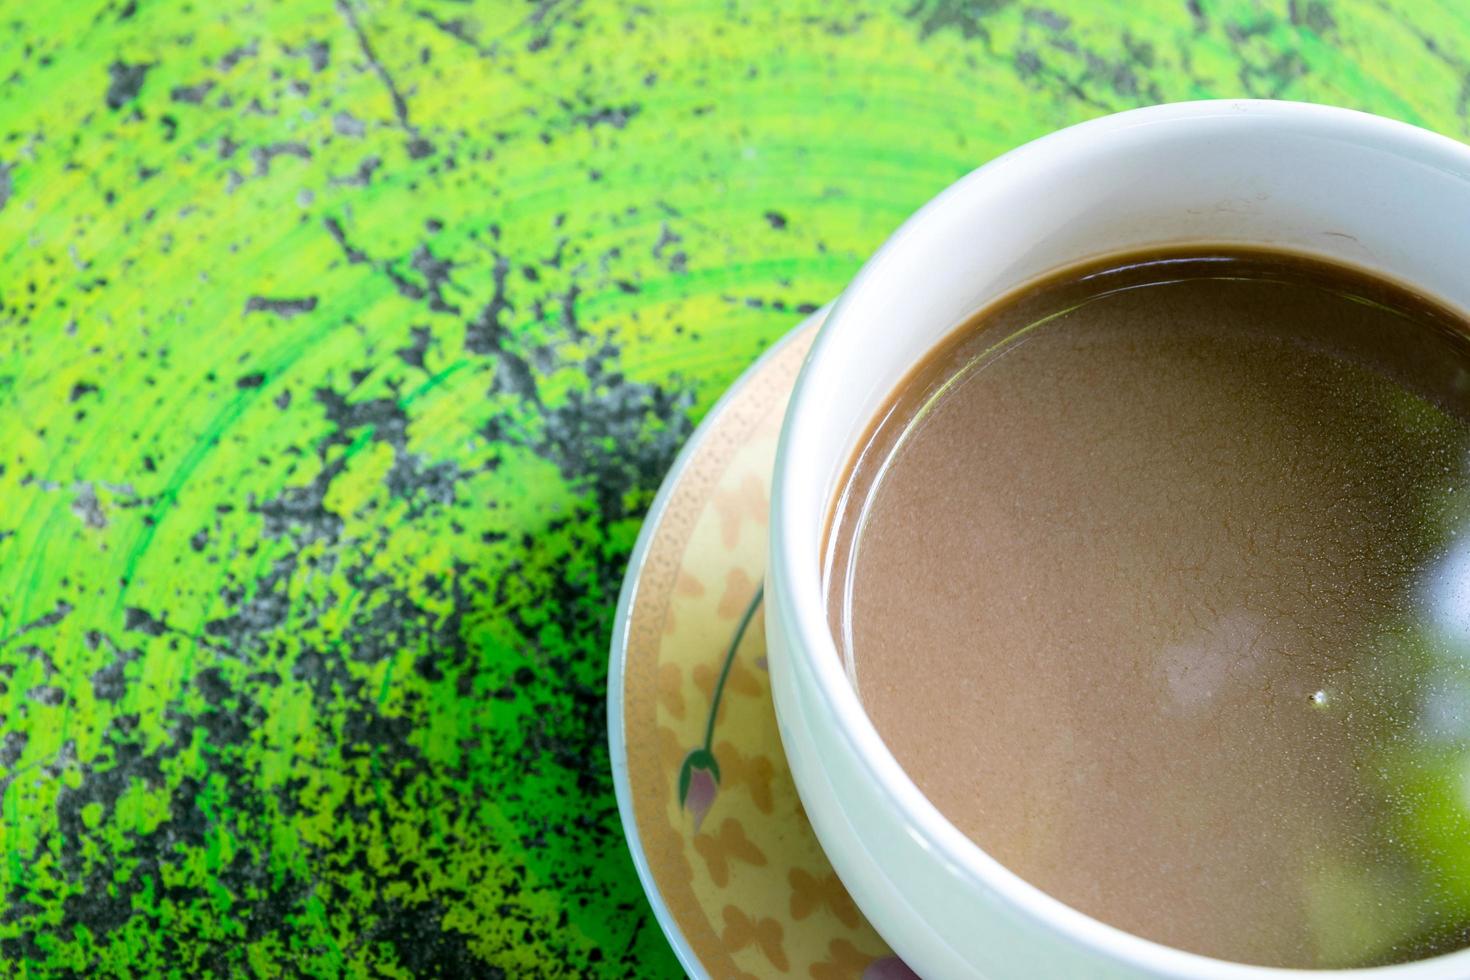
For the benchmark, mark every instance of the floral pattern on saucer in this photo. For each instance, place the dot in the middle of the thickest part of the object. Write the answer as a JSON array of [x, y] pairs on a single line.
[[729, 848]]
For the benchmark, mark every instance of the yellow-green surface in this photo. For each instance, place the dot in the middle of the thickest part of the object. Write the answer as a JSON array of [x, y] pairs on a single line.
[[342, 347]]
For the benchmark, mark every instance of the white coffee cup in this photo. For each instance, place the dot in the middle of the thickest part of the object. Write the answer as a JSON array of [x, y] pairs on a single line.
[[1322, 181]]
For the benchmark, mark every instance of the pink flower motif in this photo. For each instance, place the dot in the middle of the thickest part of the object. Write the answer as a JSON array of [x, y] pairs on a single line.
[[889, 968], [701, 795], [699, 780]]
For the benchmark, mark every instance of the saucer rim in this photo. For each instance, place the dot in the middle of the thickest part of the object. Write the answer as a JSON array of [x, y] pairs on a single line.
[[622, 623]]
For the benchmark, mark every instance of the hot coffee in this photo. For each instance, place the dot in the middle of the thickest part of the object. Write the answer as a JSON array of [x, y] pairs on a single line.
[[1153, 578]]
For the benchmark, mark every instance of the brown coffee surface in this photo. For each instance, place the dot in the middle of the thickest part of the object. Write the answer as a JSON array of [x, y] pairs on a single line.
[[1152, 580]]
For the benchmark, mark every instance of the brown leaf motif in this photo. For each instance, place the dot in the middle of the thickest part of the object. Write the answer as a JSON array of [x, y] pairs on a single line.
[[687, 585], [747, 502], [741, 680], [810, 892], [753, 771], [742, 930], [729, 844], [739, 587]]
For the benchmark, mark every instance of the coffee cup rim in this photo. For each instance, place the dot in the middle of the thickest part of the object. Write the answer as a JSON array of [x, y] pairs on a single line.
[[795, 560]]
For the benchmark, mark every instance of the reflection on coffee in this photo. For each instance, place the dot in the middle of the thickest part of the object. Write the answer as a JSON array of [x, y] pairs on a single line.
[[1155, 577]]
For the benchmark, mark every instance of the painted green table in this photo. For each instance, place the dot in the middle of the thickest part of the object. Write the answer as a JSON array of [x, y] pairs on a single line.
[[342, 347]]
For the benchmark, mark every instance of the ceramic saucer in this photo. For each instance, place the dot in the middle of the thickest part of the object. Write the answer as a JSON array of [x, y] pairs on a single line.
[[724, 850]]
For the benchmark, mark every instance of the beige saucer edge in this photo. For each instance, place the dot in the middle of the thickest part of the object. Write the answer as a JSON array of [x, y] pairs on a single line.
[[724, 851]]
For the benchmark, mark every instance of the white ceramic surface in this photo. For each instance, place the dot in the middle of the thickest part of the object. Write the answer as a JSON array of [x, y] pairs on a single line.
[[1312, 179]]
